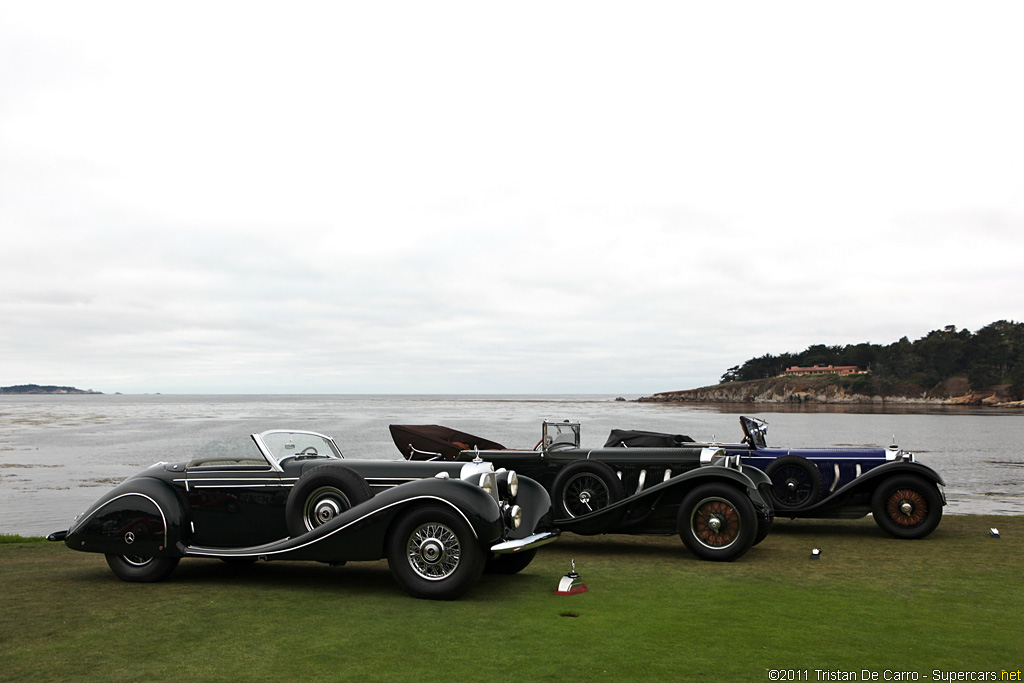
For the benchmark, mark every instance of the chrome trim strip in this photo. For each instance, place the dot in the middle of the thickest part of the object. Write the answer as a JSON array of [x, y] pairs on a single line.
[[835, 481], [198, 485], [219, 552]]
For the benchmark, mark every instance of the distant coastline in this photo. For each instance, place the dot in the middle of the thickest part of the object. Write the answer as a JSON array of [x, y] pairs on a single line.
[[47, 389], [834, 390]]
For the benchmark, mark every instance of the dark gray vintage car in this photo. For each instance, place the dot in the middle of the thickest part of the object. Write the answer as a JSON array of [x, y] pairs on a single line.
[[290, 495], [904, 497], [717, 505]]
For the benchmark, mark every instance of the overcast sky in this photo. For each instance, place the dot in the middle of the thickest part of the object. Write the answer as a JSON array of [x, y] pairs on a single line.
[[548, 197]]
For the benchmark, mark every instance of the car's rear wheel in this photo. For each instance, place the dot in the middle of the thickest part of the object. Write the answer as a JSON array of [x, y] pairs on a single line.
[[796, 482], [433, 553], [141, 568], [510, 563], [717, 522], [906, 506], [320, 495]]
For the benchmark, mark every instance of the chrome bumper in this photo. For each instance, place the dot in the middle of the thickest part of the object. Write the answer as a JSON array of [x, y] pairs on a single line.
[[521, 544]]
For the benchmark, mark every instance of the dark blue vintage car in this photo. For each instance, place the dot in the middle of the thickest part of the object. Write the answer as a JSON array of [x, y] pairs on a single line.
[[904, 497], [717, 505], [290, 495]]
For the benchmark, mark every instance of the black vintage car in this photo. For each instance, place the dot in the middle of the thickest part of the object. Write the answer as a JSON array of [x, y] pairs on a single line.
[[717, 505], [290, 495], [904, 497]]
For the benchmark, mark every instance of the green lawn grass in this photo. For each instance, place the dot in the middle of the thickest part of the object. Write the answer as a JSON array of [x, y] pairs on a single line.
[[951, 602]]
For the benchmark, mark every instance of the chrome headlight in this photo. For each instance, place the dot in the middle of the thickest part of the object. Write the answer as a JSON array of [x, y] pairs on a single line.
[[515, 516], [488, 482], [508, 484]]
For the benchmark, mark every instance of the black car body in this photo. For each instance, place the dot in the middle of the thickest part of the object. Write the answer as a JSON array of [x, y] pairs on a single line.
[[290, 495], [716, 505], [904, 497]]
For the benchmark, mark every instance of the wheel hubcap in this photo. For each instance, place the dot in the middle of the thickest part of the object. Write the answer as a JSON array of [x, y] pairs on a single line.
[[323, 505], [326, 511]]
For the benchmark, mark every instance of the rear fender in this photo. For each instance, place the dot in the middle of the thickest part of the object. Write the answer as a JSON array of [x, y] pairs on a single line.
[[142, 516]]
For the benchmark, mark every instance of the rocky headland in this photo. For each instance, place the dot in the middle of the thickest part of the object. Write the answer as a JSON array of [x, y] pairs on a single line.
[[831, 389], [49, 389]]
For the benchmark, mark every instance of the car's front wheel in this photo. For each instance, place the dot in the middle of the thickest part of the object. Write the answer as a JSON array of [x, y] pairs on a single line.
[[141, 568], [717, 522], [906, 506], [433, 553]]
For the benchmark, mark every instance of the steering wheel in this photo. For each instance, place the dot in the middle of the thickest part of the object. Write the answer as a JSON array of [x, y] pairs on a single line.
[[308, 450]]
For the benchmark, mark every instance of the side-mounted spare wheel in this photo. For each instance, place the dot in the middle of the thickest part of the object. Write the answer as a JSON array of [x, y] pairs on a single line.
[[320, 495], [796, 482], [717, 522], [433, 553], [141, 569], [583, 487], [907, 506]]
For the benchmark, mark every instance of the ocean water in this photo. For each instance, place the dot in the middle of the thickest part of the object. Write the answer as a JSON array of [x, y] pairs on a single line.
[[60, 453]]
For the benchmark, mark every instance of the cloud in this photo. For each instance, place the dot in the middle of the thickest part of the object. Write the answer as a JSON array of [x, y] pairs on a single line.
[[462, 198]]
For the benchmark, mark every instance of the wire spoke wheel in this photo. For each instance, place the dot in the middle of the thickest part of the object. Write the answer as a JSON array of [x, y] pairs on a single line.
[[907, 507], [434, 551], [796, 482], [793, 487], [715, 523], [585, 493]]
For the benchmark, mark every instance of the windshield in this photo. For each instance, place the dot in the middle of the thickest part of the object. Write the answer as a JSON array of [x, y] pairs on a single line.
[[561, 433], [226, 452], [284, 445]]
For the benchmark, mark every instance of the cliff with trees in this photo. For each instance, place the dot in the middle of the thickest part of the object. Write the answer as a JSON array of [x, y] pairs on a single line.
[[945, 366]]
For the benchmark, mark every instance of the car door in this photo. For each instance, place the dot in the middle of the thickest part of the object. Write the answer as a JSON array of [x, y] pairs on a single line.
[[236, 499]]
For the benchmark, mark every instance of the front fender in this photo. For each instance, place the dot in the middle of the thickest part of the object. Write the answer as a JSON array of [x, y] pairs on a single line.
[[141, 516], [535, 502], [863, 486], [677, 487], [871, 477]]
